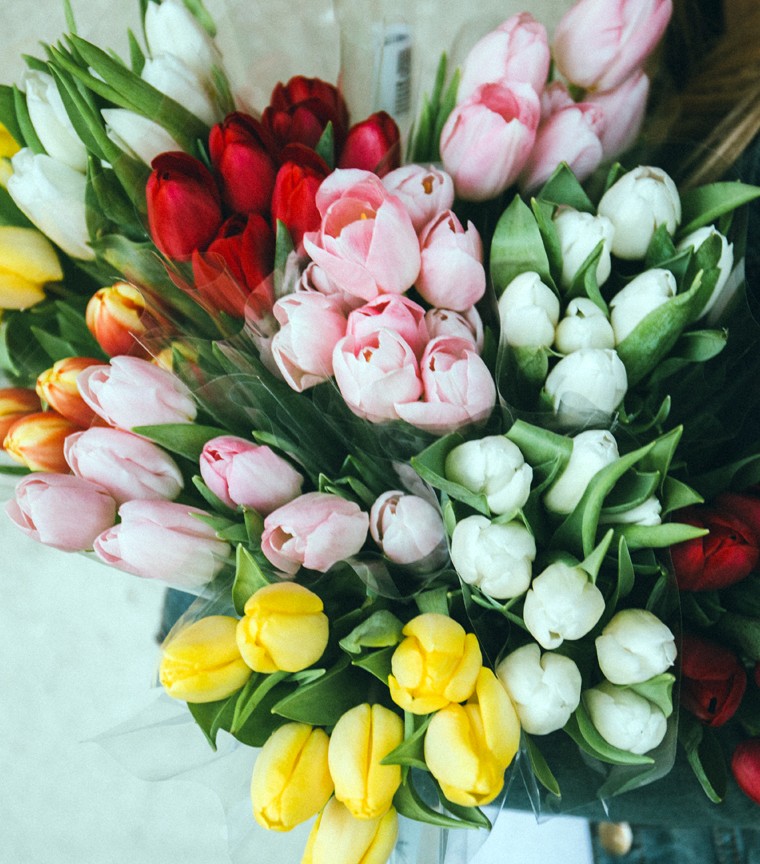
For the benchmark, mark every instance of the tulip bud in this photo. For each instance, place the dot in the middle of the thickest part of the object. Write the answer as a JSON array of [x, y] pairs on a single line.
[[51, 122], [647, 513], [339, 838], [291, 780], [424, 190], [745, 766], [592, 451], [584, 326], [176, 78], [137, 135], [528, 312], [299, 111], [15, 403], [495, 557], [27, 263], [634, 647], [36, 440], [544, 688], [624, 109], [408, 529], [462, 325], [587, 386], [579, 234], [436, 663], [725, 262], [372, 145], [58, 387], [642, 295], [117, 317], [201, 662], [170, 28], [293, 200], [625, 719], [713, 681], [284, 628]]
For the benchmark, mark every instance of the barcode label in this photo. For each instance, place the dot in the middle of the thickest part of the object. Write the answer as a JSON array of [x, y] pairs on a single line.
[[394, 80]]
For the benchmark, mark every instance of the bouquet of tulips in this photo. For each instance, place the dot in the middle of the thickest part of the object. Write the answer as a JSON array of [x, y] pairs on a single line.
[[429, 442]]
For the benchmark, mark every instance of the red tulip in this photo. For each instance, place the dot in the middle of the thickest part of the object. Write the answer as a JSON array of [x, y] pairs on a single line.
[[242, 153], [300, 110], [373, 145], [745, 765], [184, 207], [713, 680], [293, 199], [746, 505]]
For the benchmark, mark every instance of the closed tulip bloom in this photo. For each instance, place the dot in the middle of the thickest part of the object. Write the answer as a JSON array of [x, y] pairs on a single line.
[[587, 386], [361, 739], [117, 316], [170, 28], [36, 441], [283, 629], [294, 195], [373, 145], [15, 403], [584, 326], [487, 138], [408, 529], [745, 766], [299, 111], [625, 719], [163, 540], [635, 646], [462, 325], [58, 387], [137, 135], [393, 312], [339, 838], [27, 263], [592, 450], [624, 108], [579, 234], [642, 295], [649, 512], [177, 78], [713, 680], [201, 662], [291, 779], [469, 747], [436, 663], [528, 312], [62, 511], [51, 122], [424, 190], [725, 263]]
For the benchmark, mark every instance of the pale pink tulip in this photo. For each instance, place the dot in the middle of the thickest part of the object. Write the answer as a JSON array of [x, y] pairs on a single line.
[[600, 43], [624, 109], [464, 325], [314, 531], [424, 189], [407, 528], [61, 510], [392, 312], [486, 139], [452, 275], [240, 472]]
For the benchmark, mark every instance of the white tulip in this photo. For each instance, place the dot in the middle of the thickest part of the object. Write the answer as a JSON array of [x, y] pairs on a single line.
[[640, 201], [592, 450], [647, 513], [725, 263], [640, 296], [51, 195], [137, 135], [494, 467], [495, 558], [175, 79], [587, 386], [51, 122], [584, 326], [170, 28], [634, 647], [544, 688], [579, 234], [624, 719], [528, 312]]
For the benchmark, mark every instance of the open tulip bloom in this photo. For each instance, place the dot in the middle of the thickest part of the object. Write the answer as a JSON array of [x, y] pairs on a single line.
[[435, 456]]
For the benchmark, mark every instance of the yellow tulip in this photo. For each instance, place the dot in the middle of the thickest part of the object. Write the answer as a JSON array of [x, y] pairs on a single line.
[[361, 739], [469, 747], [201, 663], [284, 628], [8, 144], [291, 781], [338, 838], [436, 664], [27, 262]]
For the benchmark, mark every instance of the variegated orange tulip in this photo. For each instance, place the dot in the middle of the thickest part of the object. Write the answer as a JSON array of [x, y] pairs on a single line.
[[36, 441], [15, 403], [117, 316], [58, 387]]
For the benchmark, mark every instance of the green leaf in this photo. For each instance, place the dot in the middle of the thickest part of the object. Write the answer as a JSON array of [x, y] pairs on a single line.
[[408, 802], [592, 563], [186, 439], [326, 146], [658, 690], [25, 126], [543, 212], [202, 15], [540, 767], [377, 663], [9, 212], [8, 114], [381, 630], [705, 757], [658, 536], [252, 694], [436, 601], [705, 204], [213, 716], [661, 248], [580, 728], [585, 283], [564, 188], [540, 446], [431, 466], [676, 495], [411, 751], [517, 247], [324, 701], [248, 578], [136, 54]]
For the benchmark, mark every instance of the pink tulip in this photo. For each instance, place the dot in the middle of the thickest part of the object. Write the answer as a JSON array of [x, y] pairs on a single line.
[[133, 392], [424, 190], [464, 325], [488, 137], [242, 473], [62, 511], [163, 540], [376, 375], [624, 109], [407, 528], [570, 135], [598, 43], [366, 244], [451, 272], [390, 312], [458, 388], [311, 324], [314, 531], [517, 51], [127, 465]]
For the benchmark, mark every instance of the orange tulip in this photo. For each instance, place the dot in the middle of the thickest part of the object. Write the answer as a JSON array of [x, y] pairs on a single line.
[[36, 441]]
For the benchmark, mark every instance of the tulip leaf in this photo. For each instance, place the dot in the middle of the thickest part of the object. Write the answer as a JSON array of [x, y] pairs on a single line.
[[9, 212], [633, 489], [408, 802], [705, 757], [381, 630], [411, 751], [540, 767], [136, 54], [564, 188], [701, 608], [626, 578], [210, 498], [520, 373], [185, 439], [249, 577], [517, 246], [378, 663], [676, 495], [658, 690], [592, 563], [72, 326], [431, 466], [261, 722], [585, 283], [543, 212], [705, 204], [658, 536], [213, 716], [580, 728], [540, 446], [696, 346], [8, 113], [25, 125], [256, 688], [202, 16], [742, 631], [661, 248], [55, 347], [326, 145]]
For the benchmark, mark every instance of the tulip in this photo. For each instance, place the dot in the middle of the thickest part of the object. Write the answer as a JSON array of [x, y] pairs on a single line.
[[117, 317], [487, 138], [461, 325], [361, 739], [201, 661], [36, 441], [745, 504], [339, 838], [58, 387], [624, 108], [133, 392], [15, 403], [51, 195], [163, 540], [291, 780], [579, 234], [649, 512], [725, 263], [424, 190], [51, 122], [294, 196], [637, 205], [713, 681], [598, 46], [137, 135], [587, 386], [62, 511], [584, 326], [126, 465], [516, 50], [241, 473], [493, 467], [562, 603], [299, 111], [544, 688], [469, 747], [634, 646], [528, 312], [315, 530], [495, 557], [592, 451], [8, 144], [642, 295], [408, 529], [372, 145], [177, 78], [452, 275], [184, 207], [284, 628], [745, 766], [435, 664], [27, 263], [170, 28], [625, 719], [391, 312]]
